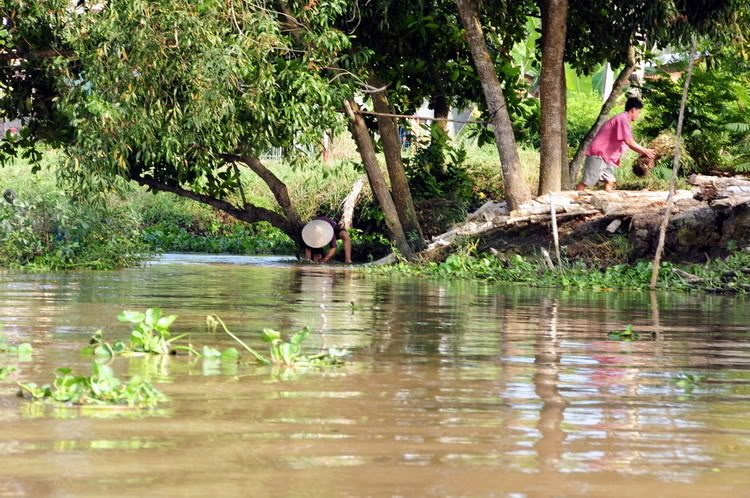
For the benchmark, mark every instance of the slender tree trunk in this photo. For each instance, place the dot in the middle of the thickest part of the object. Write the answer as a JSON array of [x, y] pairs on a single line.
[[516, 190], [399, 183], [565, 177], [277, 187], [441, 109], [617, 88], [375, 175], [675, 169], [554, 26]]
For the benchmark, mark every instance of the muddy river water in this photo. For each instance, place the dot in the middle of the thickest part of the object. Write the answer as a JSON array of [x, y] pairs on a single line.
[[454, 388]]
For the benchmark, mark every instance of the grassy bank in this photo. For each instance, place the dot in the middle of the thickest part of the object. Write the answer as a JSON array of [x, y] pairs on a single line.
[[731, 274]]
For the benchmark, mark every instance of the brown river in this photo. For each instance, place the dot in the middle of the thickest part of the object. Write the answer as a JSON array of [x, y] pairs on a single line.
[[453, 388]]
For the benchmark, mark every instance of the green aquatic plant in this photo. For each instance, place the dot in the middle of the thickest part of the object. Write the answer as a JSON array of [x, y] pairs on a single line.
[[689, 381], [150, 335], [289, 352], [101, 388], [229, 353], [629, 335], [5, 371], [22, 349]]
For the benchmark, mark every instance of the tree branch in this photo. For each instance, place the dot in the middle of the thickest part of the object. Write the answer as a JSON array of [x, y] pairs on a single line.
[[278, 188], [249, 214], [9, 56]]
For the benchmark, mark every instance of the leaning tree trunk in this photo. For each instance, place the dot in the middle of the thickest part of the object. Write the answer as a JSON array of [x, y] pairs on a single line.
[[375, 175], [617, 87], [565, 177], [516, 190], [399, 183], [554, 26]]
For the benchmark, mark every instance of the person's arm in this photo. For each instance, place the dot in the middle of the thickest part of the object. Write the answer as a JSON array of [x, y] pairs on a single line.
[[329, 255], [641, 150]]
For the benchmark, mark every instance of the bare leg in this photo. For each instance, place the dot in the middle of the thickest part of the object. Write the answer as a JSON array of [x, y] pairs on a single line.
[[344, 236], [581, 187], [308, 253], [609, 186]]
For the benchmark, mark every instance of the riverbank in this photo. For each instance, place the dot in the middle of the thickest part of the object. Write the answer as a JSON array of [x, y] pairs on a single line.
[[719, 275]]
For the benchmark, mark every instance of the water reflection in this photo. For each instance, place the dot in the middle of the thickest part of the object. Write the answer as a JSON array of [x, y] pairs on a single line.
[[456, 388]]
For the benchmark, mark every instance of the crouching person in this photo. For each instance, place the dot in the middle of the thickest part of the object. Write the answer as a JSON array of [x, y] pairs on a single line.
[[320, 236]]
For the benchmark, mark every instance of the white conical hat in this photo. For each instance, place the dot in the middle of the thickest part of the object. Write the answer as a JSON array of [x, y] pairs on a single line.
[[317, 233]]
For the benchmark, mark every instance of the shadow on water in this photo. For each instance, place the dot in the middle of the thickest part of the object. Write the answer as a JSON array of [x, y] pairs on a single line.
[[456, 388]]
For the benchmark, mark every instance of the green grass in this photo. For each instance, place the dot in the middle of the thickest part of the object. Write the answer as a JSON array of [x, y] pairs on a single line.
[[531, 271]]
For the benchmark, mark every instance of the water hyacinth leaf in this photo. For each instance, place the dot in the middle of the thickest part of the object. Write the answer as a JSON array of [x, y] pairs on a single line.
[[25, 348], [288, 352], [131, 316], [230, 353], [152, 316], [5, 371], [270, 335], [165, 322], [212, 323], [300, 336], [209, 352], [103, 350]]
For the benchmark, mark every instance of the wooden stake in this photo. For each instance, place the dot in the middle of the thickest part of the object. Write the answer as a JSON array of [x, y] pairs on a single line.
[[675, 169], [553, 215]]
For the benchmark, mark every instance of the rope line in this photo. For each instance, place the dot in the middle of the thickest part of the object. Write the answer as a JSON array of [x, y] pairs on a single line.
[[422, 117]]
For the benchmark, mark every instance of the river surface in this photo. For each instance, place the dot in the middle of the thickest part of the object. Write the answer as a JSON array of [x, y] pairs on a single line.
[[454, 388]]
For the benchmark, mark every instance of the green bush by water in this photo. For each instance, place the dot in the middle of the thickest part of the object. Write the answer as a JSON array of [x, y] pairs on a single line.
[[47, 229]]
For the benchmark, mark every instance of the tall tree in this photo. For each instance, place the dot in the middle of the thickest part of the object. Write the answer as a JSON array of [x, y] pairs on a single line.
[[516, 190], [552, 89], [175, 95]]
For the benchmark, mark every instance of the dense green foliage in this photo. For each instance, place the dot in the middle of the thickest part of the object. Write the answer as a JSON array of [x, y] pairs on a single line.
[[717, 98], [53, 231], [721, 275]]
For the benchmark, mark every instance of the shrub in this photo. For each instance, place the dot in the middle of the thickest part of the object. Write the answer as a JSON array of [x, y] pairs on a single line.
[[712, 103]]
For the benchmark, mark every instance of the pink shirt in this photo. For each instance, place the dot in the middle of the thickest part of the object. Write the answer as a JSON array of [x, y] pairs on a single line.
[[609, 143]]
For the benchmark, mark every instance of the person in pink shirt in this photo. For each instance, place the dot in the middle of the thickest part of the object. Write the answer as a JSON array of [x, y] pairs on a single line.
[[608, 146]]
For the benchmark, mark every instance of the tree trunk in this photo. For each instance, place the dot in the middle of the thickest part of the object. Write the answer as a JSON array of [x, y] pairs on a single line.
[[554, 26], [441, 109], [516, 190], [399, 183], [565, 177], [277, 187], [375, 175], [617, 88]]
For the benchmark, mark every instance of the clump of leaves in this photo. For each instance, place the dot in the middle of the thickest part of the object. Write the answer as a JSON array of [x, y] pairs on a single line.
[[229, 353], [101, 388], [629, 334], [22, 349], [150, 335], [289, 352], [689, 381], [5, 371]]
